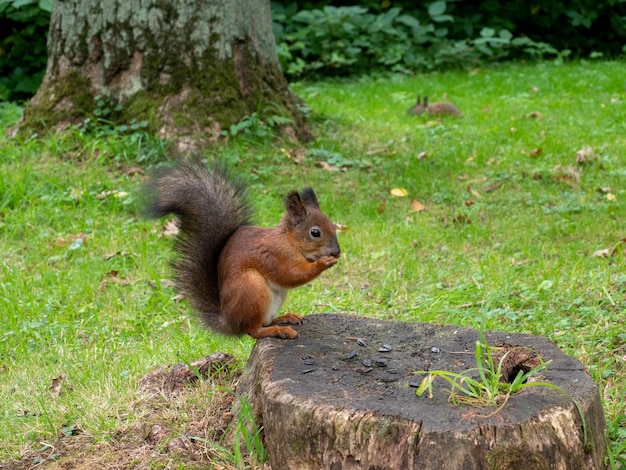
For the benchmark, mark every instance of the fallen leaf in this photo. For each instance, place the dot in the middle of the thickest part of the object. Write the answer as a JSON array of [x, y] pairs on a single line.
[[605, 189], [533, 114], [611, 197], [422, 155], [326, 166], [417, 206], [117, 253], [567, 175], [469, 203], [473, 192], [341, 228], [512, 130], [536, 152], [59, 242], [399, 192], [493, 186], [113, 193], [170, 228], [157, 433], [57, 384], [585, 155], [604, 253]]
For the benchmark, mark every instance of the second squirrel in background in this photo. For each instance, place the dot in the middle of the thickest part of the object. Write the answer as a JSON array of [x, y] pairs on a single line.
[[237, 275], [441, 108]]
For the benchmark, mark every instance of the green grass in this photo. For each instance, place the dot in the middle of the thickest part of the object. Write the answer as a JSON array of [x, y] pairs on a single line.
[[507, 237]]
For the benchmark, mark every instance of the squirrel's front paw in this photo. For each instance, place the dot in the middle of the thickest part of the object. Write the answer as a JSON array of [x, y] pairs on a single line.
[[327, 261]]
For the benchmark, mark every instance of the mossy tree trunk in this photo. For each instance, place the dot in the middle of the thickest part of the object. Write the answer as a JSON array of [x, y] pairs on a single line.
[[188, 67]]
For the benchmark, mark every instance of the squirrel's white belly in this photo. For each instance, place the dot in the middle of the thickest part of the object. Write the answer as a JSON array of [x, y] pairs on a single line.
[[279, 294]]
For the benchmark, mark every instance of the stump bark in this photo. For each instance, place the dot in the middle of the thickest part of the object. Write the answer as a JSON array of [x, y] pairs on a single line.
[[322, 405], [189, 68]]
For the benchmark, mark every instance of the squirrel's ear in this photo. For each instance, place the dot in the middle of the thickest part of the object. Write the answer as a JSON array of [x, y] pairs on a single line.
[[309, 198], [296, 212]]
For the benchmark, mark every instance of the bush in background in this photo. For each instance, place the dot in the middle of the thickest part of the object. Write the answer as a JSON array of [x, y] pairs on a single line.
[[23, 51], [339, 38], [335, 38]]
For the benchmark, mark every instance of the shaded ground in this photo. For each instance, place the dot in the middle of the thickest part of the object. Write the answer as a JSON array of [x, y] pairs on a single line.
[[182, 421]]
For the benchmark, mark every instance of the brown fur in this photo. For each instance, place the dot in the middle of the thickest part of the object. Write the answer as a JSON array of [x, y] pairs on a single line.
[[441, 108], [237, 275]]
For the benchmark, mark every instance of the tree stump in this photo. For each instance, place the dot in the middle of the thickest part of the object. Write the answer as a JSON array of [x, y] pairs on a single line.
[[323, 406]]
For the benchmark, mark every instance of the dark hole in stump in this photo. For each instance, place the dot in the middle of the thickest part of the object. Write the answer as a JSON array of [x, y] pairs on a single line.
[[518, 359]]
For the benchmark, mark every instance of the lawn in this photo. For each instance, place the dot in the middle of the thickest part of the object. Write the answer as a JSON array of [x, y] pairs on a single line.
[[512, 217]]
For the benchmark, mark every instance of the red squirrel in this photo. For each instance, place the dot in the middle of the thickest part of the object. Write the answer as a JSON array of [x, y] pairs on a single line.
[[440, 108], [237, 275]]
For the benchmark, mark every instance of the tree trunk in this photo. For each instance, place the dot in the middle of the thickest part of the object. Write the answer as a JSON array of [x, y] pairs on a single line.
[[321, 406], [186, 66]]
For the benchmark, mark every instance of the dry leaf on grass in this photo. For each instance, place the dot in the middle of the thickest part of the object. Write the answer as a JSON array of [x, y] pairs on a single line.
[[604, 253], [608, 252], [57, 385], [417, 206], [567, 175], [493, 186], [326, 166], [399, 192], [170, 228], [341, 228], [473, 192], [533, 115], [117, 253], [585, 155]]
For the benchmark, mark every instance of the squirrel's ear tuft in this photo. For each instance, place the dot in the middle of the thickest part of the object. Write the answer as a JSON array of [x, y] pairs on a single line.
[[296, 212], [309, 198]]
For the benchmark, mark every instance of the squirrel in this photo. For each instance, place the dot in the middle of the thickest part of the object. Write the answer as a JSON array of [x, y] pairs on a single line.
[[435, 109], [237, 275]]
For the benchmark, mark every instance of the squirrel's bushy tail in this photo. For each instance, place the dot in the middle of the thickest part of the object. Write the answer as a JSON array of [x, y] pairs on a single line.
[[210, 205]]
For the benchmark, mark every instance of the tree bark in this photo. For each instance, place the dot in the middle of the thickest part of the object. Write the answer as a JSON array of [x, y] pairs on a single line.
[[186, 66], [321, 406]]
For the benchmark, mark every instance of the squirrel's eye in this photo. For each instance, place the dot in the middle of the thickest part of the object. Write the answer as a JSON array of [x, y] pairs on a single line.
[[316, 233]]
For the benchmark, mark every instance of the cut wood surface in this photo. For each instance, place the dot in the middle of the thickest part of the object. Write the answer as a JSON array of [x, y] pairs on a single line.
[[335, 398]]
